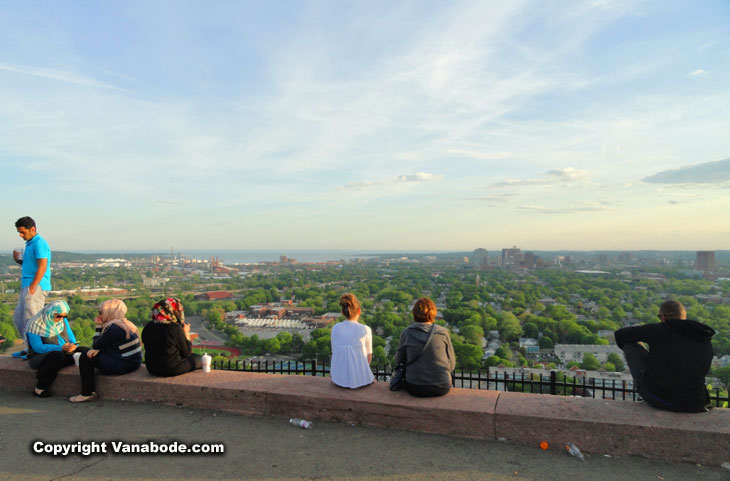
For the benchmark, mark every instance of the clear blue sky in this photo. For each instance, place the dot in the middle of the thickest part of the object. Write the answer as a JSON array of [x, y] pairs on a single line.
[[366, 125]]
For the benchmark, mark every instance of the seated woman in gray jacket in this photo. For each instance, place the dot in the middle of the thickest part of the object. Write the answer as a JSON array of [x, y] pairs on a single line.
[[430, 374]]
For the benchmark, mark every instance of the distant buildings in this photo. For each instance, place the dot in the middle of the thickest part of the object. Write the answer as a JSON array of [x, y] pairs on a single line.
[[705, 261], [278, 311], [529, 260], [511, 257], [214, 296], [154, 282], [479, 257], [561, 260], [574, 352], [530, 345]]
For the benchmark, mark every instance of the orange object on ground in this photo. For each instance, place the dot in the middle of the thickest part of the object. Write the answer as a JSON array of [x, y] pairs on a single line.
[[544, 445]]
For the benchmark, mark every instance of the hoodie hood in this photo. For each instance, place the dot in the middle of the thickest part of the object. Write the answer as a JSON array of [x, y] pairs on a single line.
[[692, 329], [422, 326]]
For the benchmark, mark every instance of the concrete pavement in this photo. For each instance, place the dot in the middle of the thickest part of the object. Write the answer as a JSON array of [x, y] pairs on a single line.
[[271, 449]]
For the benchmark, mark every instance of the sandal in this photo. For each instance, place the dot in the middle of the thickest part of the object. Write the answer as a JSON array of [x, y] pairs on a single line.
[[80, 398], [43, 393]]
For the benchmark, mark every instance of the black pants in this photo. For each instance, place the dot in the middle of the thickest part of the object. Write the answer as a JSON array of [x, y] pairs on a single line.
[[195, 361], [637, 359], [426, 391], [53, 362], [192, 363], [87, 366]]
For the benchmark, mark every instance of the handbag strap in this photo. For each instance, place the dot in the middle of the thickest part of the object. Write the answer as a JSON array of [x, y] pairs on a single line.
[[425, 346]]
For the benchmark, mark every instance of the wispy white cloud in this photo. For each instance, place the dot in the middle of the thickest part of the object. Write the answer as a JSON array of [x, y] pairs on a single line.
[[418, 177], [698, 72], [401, 179], [717, 172], [576, 208], [551, 177], [60, 75], [568, 174], [118, 75], [496, 200], [474, 154]]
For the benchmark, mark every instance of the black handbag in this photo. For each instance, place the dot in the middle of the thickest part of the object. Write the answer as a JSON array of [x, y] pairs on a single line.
[[398, 377]]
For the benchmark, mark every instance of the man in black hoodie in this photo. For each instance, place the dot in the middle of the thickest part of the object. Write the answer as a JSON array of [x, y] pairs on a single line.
[[671, 375]]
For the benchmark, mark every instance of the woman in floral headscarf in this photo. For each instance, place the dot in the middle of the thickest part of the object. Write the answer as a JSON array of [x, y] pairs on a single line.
[[116, 348], [166, 338], [51, 345]]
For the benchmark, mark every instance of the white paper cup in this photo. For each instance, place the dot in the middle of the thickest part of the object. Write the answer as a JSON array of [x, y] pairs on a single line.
[[206, 362], [77, 355]]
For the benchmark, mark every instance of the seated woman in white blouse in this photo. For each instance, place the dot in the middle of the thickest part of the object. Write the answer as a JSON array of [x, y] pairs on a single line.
[[352, 347]]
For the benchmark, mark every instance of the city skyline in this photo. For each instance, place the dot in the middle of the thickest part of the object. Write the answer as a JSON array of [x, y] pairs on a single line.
[[418, 126]]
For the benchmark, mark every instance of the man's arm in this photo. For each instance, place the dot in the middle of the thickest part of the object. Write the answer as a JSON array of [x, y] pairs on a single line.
[[645, 333], [39, 273]]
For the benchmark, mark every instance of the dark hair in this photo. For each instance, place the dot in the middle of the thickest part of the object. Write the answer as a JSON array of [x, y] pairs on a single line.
[[672, 310], [350, 305], [26, 222], [424, 310]]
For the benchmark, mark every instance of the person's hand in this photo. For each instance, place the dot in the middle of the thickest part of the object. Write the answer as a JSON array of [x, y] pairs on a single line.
[[16, 256], [32, 288], [186, 331], [92, 353], [68, 348]]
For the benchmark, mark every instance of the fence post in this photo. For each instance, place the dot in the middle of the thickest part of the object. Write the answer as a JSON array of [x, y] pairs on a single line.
[[314, 367], [553, 383]]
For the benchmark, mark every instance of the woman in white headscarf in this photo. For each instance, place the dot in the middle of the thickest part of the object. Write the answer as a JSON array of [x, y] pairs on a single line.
[[116, 348], [51, 344]]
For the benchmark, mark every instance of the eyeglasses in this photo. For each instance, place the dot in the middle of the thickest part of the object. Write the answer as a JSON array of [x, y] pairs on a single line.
[[60, 316]]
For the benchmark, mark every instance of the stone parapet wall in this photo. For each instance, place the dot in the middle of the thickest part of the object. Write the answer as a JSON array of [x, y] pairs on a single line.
[[596, 426]]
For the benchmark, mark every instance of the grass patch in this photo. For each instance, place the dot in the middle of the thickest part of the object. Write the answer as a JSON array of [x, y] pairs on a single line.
[[211, 352]]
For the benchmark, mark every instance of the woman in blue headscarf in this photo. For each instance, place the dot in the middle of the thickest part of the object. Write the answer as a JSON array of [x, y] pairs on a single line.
[[51, 345]]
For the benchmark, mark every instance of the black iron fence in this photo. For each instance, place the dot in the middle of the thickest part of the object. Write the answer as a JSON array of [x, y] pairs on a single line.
[[555, 383]]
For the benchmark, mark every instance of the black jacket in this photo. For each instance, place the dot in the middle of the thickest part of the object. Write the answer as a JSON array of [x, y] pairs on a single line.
[[166, 349], [680, 353]]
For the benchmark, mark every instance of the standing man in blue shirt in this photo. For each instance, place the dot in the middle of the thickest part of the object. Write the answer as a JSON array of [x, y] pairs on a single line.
[[35, 280]]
